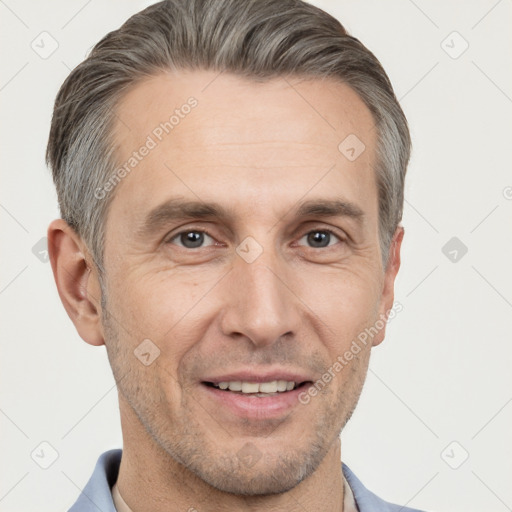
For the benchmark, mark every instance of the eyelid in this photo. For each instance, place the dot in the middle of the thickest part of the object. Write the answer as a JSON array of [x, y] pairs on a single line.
[[340, 237], [170, 238]]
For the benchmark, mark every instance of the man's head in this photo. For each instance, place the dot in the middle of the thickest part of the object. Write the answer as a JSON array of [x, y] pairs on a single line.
[[262, 125]]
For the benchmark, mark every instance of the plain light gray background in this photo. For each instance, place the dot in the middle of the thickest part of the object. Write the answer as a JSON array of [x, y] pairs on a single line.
[[439, 388]]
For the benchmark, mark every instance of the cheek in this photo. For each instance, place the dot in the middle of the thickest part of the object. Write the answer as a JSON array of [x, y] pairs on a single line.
[[344, 300], [166, 308]]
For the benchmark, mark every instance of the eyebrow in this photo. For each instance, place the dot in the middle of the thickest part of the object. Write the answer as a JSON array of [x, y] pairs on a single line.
[[176, 209], [330, 208]]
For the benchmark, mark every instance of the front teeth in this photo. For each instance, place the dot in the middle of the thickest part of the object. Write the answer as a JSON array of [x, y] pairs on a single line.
[[257, 387]]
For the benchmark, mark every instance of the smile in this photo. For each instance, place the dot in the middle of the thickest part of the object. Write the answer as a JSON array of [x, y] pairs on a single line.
[[255, 400]]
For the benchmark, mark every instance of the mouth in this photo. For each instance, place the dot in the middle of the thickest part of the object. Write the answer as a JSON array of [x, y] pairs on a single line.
[[249, 400], [257, 389]]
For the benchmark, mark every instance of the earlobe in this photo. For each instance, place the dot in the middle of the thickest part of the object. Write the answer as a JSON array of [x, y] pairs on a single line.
[[77, 281], [388, 289]]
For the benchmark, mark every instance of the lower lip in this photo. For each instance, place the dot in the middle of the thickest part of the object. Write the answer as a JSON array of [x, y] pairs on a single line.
[[257, 407]]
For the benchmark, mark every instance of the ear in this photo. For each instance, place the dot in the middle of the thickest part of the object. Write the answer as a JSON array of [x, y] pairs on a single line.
[[388, 287], [77, 280]]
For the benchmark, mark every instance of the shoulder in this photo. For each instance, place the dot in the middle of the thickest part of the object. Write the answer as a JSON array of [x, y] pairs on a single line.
[[366, 500], [97, 492]]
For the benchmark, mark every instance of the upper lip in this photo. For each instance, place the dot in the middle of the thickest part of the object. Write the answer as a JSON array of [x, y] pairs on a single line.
[[261, 376]]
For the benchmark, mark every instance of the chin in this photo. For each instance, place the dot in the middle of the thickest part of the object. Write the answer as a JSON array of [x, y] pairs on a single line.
[[265, 478], [266, 474]]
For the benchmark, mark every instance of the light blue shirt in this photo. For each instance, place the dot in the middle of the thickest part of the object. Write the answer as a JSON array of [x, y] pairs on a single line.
[[97, 496]]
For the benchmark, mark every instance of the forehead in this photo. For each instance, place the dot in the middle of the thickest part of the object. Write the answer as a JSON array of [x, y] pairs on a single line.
[[216, 136]]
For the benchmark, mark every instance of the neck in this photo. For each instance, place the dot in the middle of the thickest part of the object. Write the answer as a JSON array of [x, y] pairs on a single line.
[[150, 480]]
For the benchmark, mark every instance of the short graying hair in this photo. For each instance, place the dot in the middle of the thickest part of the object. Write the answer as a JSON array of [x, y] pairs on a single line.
[[256, 39]]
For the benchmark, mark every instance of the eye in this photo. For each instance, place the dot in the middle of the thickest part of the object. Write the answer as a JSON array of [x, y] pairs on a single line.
[[320, 238], [190, 239]]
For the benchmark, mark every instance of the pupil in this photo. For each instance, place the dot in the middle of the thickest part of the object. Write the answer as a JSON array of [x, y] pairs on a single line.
[[192, 239], [319, 238]]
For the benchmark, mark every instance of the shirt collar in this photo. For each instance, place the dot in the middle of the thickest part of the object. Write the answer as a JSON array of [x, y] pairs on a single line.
[[349, 505], [97, 494]]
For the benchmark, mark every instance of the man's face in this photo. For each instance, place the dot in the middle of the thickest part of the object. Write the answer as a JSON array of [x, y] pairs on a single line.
[[282, 304]]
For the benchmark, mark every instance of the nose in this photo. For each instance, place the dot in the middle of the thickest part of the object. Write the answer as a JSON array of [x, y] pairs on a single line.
[[262, 304]]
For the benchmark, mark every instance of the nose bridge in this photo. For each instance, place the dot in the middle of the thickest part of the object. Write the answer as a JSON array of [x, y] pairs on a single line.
[[261, 305]]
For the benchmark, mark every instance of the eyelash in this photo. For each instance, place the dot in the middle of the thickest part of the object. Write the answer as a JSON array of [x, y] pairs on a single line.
[[200, 230], [190, 230]]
